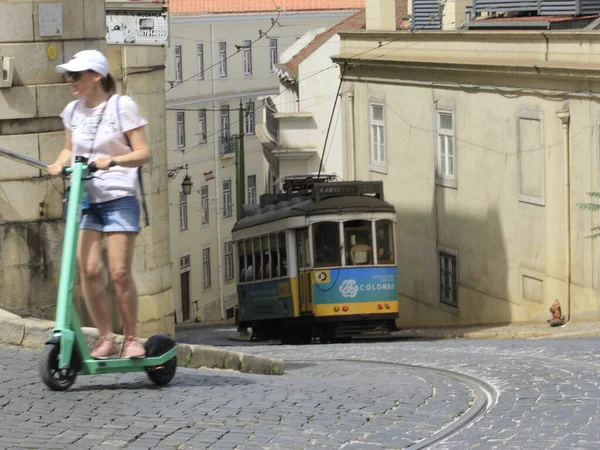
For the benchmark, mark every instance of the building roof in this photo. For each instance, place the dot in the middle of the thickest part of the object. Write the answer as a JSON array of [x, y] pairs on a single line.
[[258, 6], [533, 22], [303, 206], [356, 21]]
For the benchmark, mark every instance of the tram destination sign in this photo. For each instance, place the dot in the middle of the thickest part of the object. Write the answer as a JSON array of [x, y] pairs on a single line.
[[345, 188]]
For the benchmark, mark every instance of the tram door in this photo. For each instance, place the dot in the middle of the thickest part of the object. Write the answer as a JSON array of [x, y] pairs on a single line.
[[304, 272]]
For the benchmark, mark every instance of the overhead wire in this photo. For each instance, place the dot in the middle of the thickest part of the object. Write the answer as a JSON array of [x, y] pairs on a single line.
[[334, 65], [238, 50]]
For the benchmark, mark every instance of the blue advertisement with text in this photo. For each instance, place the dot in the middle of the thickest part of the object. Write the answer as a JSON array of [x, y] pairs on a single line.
[[360, 284]]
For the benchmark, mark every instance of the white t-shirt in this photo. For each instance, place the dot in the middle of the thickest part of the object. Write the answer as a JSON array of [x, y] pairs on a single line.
[[117, 182]]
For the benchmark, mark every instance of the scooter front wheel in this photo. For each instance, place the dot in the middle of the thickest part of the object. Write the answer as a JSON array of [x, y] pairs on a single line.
[[156, 346], [55, 378]]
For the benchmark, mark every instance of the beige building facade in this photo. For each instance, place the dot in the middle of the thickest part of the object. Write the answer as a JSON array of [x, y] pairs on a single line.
[[486, 143], [35, 36], [215, 63]]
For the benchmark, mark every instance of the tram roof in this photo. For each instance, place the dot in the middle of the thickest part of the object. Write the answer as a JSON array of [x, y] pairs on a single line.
[[307, 206]]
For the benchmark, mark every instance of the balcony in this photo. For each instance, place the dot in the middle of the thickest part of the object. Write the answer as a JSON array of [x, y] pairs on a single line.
[[289, 135], [297, 132], [228, 145], [267, 131]]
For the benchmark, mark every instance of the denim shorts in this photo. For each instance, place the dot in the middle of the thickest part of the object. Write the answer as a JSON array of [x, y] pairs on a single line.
[[113, 216]]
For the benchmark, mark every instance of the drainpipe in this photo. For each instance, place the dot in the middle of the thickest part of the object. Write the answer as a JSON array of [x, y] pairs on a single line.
[[216, 121], [352, 143], [565, 117]]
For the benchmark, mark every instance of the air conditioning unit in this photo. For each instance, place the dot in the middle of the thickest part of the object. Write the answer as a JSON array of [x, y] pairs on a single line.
[[8, 67]]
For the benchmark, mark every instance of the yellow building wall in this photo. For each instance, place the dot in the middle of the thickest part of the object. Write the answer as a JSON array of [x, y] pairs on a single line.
[[511, 253]]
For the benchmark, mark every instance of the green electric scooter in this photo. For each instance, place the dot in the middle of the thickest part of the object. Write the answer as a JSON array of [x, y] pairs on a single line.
[[66, 353]]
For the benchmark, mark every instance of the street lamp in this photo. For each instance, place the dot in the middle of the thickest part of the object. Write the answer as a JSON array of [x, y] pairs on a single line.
[[186, 184]]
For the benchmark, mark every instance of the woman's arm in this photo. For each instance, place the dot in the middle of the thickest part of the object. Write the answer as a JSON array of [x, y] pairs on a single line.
[[64, 157], [140, 153]]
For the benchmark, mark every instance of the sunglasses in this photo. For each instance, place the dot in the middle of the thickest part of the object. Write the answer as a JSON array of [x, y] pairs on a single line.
[[76, 76]]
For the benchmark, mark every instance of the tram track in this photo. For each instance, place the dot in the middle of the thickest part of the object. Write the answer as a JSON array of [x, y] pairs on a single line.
[[486, 396]]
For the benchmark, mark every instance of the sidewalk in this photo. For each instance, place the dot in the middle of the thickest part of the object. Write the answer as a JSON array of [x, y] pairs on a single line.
[[33, 333], [502, 331]]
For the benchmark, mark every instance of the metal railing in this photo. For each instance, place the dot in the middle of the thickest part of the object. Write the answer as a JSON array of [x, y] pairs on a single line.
[[228, 144], [23, 159]]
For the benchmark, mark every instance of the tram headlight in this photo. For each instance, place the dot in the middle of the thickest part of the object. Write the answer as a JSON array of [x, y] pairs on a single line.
[[336, 308], [380, 306], [387, 306], [345, 308]]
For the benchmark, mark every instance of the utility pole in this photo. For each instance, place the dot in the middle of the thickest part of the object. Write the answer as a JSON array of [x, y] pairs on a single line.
[[240, 167], [240, 178]]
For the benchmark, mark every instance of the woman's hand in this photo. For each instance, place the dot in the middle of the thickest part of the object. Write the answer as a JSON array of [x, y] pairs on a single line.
[[104, 162], [54, 169]]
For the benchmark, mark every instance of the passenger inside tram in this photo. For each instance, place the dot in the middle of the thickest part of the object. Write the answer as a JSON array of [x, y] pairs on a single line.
[[358, 238]]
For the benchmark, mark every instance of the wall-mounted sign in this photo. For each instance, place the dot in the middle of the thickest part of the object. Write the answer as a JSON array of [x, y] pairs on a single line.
[[137, 27], [209, 175], [50, 19]]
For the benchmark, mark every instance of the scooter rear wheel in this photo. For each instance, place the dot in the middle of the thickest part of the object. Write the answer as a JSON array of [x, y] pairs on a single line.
[[156, 346], [55, 378]]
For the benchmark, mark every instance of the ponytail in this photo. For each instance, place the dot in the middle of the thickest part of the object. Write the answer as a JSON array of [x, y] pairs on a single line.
[[108, 84]]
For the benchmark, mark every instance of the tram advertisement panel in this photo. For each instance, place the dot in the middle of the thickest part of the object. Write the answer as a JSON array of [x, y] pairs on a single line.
[[266, 300], [355, 285]]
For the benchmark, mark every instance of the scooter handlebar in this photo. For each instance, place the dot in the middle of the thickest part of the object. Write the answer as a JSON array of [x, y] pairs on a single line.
[[91, 168]]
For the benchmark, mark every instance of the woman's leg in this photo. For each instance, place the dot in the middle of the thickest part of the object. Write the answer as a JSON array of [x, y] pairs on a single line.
[[91, 269], [120, 258]]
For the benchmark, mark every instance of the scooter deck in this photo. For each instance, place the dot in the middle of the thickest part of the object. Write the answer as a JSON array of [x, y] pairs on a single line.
[[100, 366]]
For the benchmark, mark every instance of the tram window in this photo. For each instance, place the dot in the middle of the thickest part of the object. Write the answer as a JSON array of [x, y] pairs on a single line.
[[274, 256], [241, 246], [257, 260], [282, 256], [266, 258], [326, 239], [358, 238], [249, 261], [385, 241]]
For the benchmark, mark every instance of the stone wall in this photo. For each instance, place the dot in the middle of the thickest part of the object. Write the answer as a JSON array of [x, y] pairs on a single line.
[[30, 203]]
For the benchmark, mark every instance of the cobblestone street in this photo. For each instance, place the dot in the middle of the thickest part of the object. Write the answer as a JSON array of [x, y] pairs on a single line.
[[372, 395]]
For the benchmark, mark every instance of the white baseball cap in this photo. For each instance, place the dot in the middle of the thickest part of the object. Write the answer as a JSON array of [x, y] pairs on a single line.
[[86, 60]]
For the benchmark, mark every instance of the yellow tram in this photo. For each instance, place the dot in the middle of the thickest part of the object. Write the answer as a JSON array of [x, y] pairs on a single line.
[[317, 261]]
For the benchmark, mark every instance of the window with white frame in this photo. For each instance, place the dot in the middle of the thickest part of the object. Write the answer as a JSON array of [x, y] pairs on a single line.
[[251, 188], [247, 57], [228, 260], [184, 263], [206, 267], [225, 121], [202, 126], [378, 157], [530, 153], [448, 279], [183, 212], [225, 142], [249, 118], [204, 204], [445, 158], [178, 64], [223, 59], [227, 199], [200, 61], [180, 129], [273, 54]]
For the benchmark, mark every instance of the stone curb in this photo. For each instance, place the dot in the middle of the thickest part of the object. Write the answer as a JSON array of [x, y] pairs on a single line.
[[496, 334], [437, 334], [33, 333], [213, 324]]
